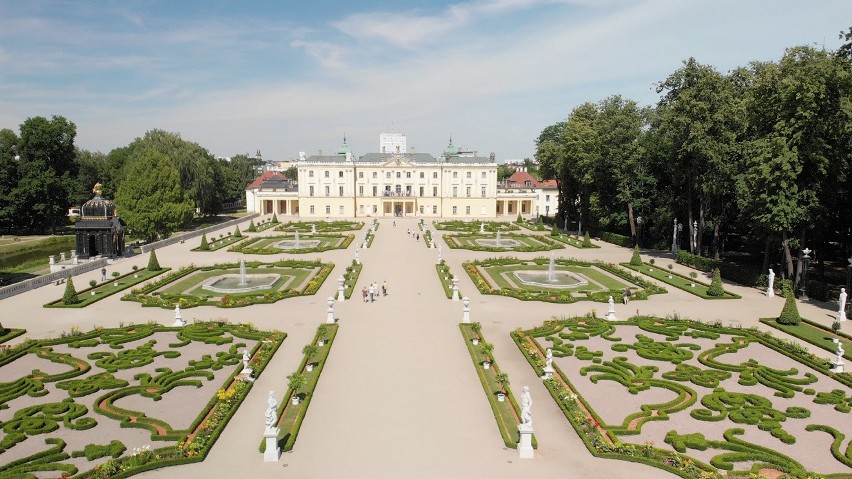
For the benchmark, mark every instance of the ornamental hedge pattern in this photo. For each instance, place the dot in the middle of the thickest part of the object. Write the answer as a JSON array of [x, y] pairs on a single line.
[[695, 399], [179, 385]]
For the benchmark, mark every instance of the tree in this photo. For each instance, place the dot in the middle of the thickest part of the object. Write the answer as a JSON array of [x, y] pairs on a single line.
[[790, 312], [70, 295], [504, 172], [153, 203], [47, 173], [92, 167], [716, 288], [9, 177], [153, 263], [204, 246], [237, 233], [636, 259], [252, 228]]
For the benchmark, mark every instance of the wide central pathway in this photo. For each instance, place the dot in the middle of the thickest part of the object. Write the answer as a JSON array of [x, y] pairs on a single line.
[[399, 396]]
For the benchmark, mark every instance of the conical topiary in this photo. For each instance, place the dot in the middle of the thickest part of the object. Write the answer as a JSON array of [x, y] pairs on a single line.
[[153, 264], [554, 231], [252, 228], [635, 260], [520, 219], [790, 313], [587, 241], [715, 288], [204, 246], [274, 219], [237, 233], [70, 296]]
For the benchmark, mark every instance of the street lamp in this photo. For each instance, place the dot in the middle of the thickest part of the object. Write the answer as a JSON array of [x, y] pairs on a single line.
[[806, 260], [579, 217]]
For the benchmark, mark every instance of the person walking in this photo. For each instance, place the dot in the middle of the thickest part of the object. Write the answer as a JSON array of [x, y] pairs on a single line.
[[384, 288], [364, 294], [103, 274], [372, 293]]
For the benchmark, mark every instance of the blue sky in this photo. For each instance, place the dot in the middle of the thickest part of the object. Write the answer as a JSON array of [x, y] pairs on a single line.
[[296, 75]]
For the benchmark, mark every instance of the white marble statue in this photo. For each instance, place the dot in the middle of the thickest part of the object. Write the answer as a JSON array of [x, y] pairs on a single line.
[[246, 359], [770, 288], [549, 359], [271, 409], [841, 313], [178, 317], [302, 156], [526, 407], [840, 351]]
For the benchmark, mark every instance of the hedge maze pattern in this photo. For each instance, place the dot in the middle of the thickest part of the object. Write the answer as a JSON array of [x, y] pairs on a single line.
[[731, 399], [92, 403]]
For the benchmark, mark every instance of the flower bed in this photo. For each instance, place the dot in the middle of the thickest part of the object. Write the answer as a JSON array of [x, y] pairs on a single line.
[[128, 364], [474, 226], [290, 416], [599, 289], [571, 240], [261, 244], [506, 412], [678, 281], [813, 333], [108, 288], [726, 396], [151, 294], [446, 278], [223, 241], [321, 226], [528, 242]]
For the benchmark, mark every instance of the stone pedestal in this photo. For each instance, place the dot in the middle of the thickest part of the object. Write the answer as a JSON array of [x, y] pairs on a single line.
[[341, 296], [272, 451], [548, 372], [179, 322], [330, 311], [455, 289], [770, 292], [525, 449], [466, 313], [837, 366]]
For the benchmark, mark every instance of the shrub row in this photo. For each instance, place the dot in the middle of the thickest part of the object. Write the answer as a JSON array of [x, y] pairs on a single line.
[[614, 238]]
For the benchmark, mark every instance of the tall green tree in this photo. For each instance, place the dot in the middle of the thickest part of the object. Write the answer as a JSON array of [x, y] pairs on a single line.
[[152, 200], [9, 177], [92, 167], [47, 173]]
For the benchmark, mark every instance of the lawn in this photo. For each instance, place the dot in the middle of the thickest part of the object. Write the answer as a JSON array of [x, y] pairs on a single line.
[[813, 334], [678, 281]]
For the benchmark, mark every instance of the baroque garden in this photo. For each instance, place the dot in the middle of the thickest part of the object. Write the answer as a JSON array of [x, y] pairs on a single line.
[[174, 365]]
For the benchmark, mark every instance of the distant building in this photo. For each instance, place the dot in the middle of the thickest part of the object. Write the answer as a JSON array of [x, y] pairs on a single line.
[[545, 193], [393, 182]]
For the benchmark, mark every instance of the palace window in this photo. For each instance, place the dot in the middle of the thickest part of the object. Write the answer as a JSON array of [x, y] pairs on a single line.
[[312, 209], [421, 190], [361, 190], [467, 192], [341, 191], [327, 174], [327, 191], [434, 191], [483, 192], [455, 210], [375, 190], [434, 174], [340, 210], [483, 175], [422, 175], [311, 191], [467, 210], [455, 174], [387, 175], [375, 174], [310, 173], [398, 174], [340, 174], [434, 209], [328, 209], [408, 174], [360, 174], [455, 191], [421, 209], [470, 174]]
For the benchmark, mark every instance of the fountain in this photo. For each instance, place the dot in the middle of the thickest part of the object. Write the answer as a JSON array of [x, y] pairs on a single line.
[[297, 242], [497, 241], [297, 245], [240, 283], [551, 268]]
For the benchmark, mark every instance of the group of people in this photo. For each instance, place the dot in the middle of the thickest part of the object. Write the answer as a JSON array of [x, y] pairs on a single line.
[[414, 234], [371, 293]]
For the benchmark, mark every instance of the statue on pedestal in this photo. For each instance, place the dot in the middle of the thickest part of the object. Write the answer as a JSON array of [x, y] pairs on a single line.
[[770, 288], [526, 407], [841, 313], [271, 410]]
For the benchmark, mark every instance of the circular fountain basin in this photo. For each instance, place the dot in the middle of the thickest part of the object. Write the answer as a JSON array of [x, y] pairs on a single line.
[[561, 279], [303, 243], [230, 283], [504, 242]]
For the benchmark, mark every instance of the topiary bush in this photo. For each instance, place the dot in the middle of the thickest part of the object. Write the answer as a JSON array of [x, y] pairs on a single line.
[[554, 231], [252, 228], [70, 296], [274, 218], [587, 241], [237, 233], [204, 246], [715, 288], [636, 260], [153, 264], [790, 313]]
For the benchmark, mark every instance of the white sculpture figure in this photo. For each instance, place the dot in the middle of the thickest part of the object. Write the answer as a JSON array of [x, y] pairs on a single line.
[[246, 359], [526, 407], [271, 410], [770, 289], [302, 156], [837, 364], [841, 314], [549, 359], [178, 317], [610, 313]]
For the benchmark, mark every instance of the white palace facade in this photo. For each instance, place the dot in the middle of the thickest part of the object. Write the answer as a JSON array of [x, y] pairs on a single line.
[[394, 182]]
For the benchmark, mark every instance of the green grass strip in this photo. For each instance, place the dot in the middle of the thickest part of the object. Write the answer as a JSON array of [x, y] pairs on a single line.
[[810, 333], [678, 281], [107, 289]]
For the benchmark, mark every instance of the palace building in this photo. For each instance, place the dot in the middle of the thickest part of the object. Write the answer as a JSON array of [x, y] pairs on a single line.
[[392, 182]]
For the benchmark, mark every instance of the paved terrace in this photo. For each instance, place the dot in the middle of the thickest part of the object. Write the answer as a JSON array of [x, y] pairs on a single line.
[[399, 396]]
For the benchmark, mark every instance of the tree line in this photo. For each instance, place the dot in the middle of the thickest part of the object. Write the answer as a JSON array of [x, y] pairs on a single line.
[[759, 157], [158, 182]]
